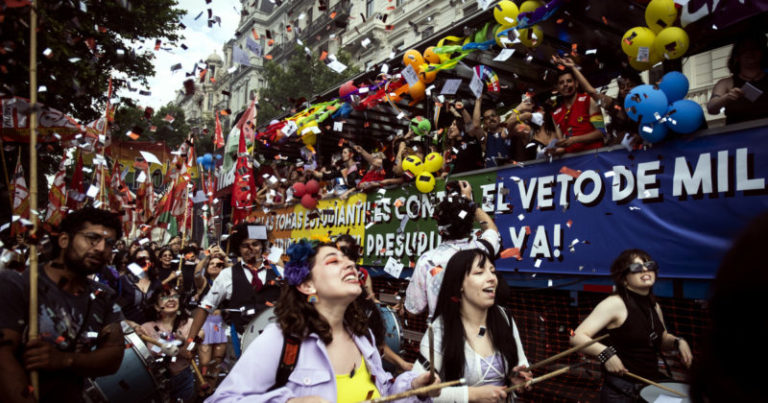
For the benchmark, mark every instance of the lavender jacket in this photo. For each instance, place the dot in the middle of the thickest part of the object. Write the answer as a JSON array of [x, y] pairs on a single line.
[[313, 375]]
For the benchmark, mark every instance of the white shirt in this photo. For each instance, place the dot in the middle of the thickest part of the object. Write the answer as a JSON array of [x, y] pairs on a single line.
[[221, 289], [428, 274]]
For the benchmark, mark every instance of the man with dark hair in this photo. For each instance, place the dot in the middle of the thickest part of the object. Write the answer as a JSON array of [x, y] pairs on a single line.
[[578, 116], [79, 322], [455, 216], [243, 290]]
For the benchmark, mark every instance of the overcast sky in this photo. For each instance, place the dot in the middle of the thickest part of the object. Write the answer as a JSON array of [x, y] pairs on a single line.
[[201, 41]]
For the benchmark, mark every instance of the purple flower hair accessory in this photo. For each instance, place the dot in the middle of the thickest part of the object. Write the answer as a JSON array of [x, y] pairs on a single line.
[[297, 269]]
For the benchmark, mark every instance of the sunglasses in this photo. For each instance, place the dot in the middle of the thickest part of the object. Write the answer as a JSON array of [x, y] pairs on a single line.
[[219, 265], [638, 267]]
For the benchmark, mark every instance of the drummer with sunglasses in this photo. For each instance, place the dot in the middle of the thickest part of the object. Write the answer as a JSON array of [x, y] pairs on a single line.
[[635, 323]]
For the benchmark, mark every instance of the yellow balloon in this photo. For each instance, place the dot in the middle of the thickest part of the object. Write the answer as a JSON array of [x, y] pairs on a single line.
[[671, 43], [660, 14], [531, 37], [308, 131], [413, 164], [427, 76], [425, 182], [433, 162], [506, 13], [413, 56], [510, 38], [430, 56], [416, 91], [530, 5], [642, 66], [636, 38]]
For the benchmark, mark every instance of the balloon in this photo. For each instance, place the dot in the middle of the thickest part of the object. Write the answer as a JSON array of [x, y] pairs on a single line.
[[530, 5], [642, 66], [433, 162], [660, 14], [425, 75], [675, 86], [531, 37], [420, 126], [425, 182], [312, 187], [508, 37], [636, 38], [430, 56], [299, 189], [207, 160], [308, 201], [347, 88], [413, 57], [413, 164], [218, 156], [671, 43], [645, 103], [506, 13], [652, 132], [308, 131], [416, 91], [684, 116], [200, 160]]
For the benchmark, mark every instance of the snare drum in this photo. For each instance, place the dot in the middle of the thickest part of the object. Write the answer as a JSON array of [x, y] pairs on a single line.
[[392, 328], [257, 326], [133, 382], [650, 393]]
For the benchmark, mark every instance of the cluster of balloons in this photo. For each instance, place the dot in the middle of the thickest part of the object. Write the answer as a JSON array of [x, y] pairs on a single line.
[[208, 161], [659, 40], [661, 108], [423, 171], [506, 12], [307, 193]]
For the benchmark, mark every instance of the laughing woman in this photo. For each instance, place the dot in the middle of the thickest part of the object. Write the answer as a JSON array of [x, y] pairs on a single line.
[[474, 338], [316, 313], [636, 327]]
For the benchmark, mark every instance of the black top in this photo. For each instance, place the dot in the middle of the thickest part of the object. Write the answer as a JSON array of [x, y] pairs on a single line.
[[250, 301], [71, 322], [136, 304], [743, 109], [469, 155], [638, 340]]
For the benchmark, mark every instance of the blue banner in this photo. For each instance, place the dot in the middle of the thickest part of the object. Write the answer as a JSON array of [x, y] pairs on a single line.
[[683, 201]]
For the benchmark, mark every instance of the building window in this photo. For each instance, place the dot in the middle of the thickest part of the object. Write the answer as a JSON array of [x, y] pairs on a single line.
[[368, 8], [427, 32], [210, 102]]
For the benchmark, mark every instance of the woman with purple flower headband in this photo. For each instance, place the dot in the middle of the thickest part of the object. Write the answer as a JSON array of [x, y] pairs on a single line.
[[337, 356]]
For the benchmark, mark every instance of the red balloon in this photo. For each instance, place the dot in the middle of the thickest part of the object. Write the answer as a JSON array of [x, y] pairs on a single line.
[[312, 187], [299, 189], [347, 88], [308, 201]]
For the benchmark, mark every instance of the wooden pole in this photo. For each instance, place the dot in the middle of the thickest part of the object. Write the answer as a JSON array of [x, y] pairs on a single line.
[[658, 385], [538, 379], [33, 319], [566, 352], [418, 391], [183, 234]]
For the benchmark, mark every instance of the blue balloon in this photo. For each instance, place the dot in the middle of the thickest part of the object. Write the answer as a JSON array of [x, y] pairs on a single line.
[[652, 132], [200, 160], [208, 161], [675, 86], [645, 104], [218, 156], [685, 116]]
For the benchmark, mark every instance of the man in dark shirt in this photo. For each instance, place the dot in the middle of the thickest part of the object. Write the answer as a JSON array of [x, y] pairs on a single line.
[[79, 322]]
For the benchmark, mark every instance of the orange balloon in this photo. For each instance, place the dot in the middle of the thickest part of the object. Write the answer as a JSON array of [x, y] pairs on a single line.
[[427, 76], [430, 56], [416, 91], [413, 57]]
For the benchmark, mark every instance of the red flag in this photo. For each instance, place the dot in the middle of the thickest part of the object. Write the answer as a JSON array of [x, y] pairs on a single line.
[[77, 191], [219, 137], [244, 187], [20, 198], [57, 197], [247, 122]]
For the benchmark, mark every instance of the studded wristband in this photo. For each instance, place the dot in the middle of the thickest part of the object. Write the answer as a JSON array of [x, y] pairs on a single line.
[[606, 354]]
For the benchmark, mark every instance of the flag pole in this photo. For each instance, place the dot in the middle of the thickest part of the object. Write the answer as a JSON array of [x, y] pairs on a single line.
[[33, 269]]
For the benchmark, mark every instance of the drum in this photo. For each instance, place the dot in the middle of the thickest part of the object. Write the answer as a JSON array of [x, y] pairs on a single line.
[[133, 382], [652, 393], [392, 328], [257, 326]]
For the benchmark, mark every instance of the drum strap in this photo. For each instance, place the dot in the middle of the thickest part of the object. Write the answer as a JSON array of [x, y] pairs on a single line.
[[288, 359]]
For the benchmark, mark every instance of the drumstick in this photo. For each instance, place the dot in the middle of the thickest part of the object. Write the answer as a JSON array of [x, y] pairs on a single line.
[[565, 353], [431, 337], [168, 348], [203, 384], [660, 386], [539, 379], [418, 391]]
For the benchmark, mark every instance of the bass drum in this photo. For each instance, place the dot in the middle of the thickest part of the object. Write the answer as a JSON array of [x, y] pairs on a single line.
[[133, 382], [652, 393], [257, 326], [393, 330]]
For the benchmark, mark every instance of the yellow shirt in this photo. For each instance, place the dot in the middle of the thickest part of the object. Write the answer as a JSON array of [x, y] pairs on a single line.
[[351, 389]]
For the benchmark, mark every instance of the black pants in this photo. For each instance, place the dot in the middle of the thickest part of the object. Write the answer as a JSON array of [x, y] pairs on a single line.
[[619, 390]]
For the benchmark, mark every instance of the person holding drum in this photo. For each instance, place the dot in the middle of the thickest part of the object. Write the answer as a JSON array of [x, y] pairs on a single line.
[[243, 290], [474, 338], [171, 325], [636, 327], [79, 321], [317, 314]]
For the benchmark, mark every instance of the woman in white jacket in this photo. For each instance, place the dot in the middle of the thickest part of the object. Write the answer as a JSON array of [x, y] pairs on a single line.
[[474, 338]]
